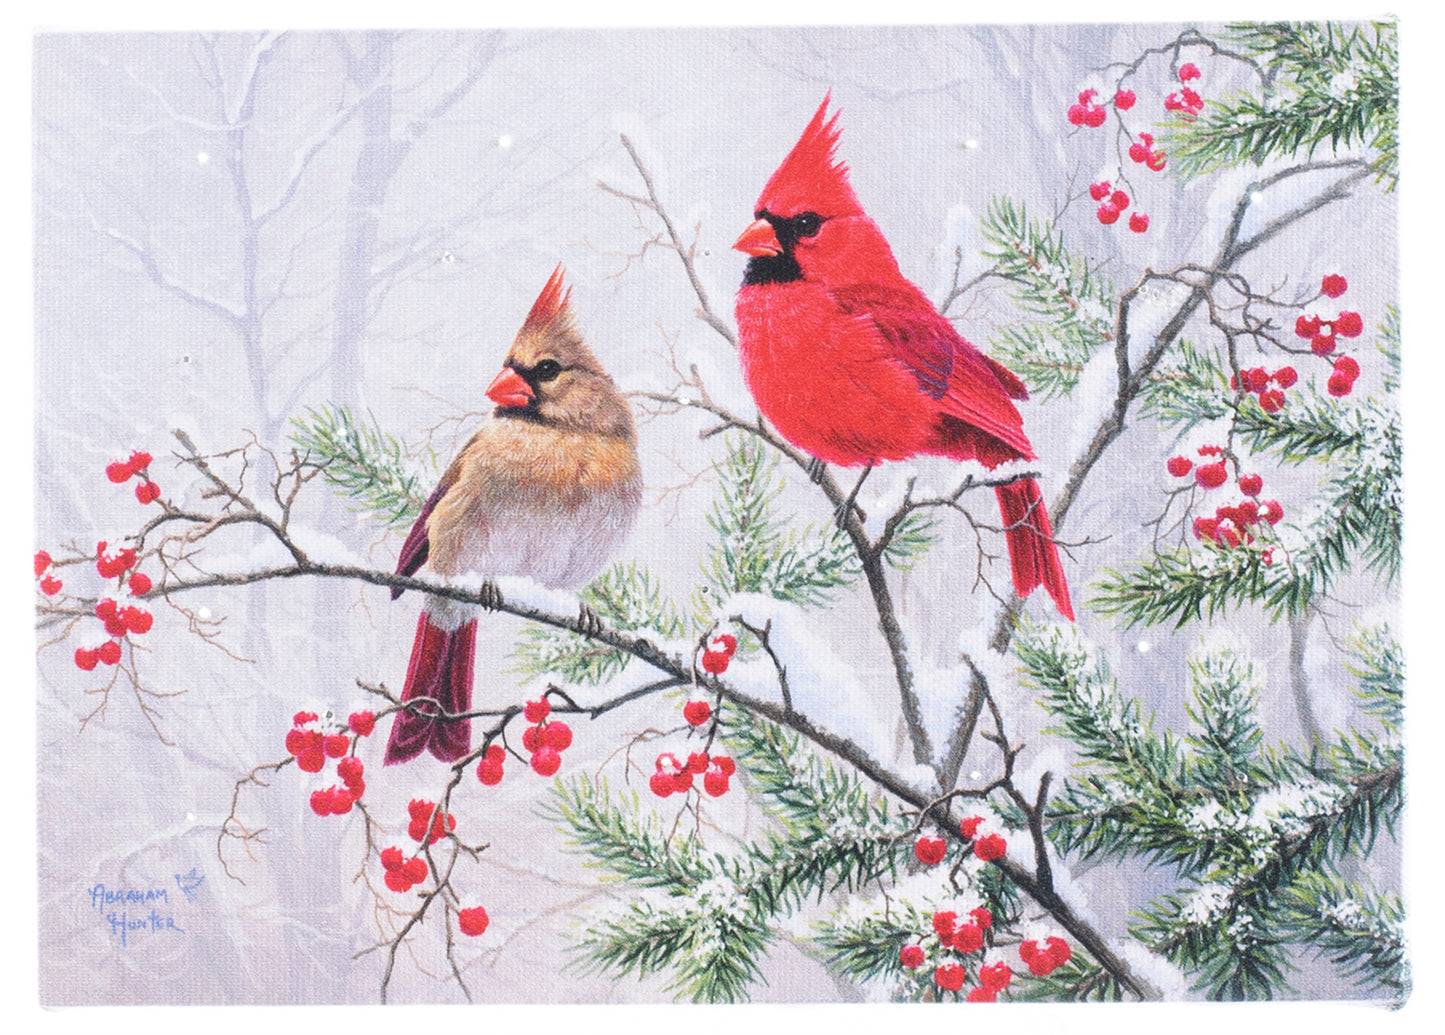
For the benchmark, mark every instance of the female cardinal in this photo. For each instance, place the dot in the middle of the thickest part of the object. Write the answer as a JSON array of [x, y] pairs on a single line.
[[548, 489], [851, 362]]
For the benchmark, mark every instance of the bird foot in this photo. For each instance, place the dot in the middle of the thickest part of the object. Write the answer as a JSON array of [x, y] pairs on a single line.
[[491, 596], [840, 515], [815, 470], [588, 623]]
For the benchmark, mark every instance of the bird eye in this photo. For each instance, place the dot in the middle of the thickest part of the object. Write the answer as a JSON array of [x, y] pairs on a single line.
[[806, 224], [547, 370]]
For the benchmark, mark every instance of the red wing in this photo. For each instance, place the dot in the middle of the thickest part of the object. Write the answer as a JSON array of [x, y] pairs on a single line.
[[416, 548], [967, 384]]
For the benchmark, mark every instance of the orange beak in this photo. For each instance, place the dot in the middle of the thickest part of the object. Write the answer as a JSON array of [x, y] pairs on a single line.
[[509, 390], [758, 239]]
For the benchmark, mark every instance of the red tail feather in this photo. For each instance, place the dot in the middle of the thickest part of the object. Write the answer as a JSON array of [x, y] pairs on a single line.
[[1031, 549], [440, 669]]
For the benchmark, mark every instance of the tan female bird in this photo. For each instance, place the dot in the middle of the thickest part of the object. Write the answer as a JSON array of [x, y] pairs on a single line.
[[548, 489]]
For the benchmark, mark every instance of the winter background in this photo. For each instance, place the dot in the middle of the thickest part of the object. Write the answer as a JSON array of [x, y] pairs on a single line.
[[501, 141]]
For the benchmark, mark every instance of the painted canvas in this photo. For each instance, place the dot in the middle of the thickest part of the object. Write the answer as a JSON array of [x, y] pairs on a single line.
[[778, 515]]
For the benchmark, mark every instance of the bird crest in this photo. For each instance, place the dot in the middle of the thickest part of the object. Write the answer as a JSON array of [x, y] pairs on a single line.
[[551, 313], [809, 179]]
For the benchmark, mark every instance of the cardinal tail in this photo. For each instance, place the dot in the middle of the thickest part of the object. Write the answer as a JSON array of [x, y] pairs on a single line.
[[440, 669], [1031, 549]]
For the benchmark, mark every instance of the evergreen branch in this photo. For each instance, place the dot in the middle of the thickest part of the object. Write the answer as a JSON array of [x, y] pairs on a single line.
[[362, 461], [1358, 927], [1187, 392]]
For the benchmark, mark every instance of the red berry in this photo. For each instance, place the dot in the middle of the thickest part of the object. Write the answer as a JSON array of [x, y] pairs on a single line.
[[697, 762], [726, 764], [1179, 466], [109, 652], [1058, 950], [1285, 377], [557, 735], [137, 620], [1210, 451], [682, 781], [1138, 222], [1148, 139], [1139, 153], [1098, 191], [668, 761], [350, 769], [981, 995], [1247, 513], [115, 625], [496, 753], [87, 658], [696, 712], [1258, 378], [1119, 199], [1108, 214], [1204, 528], [311, 760], [336, 745], [1322, 344], [42, 561], [982, 917], [416, 869], [531, 738], [715, 782], [139, 461], [945, 922], [968, 938], [1076, 114], [1250, 484], [296, 741], [489, 772], [996, 976], [139, 584], [726, 642], [391, 858], [420, 809], [911, 956], [949, 976], [1085, 96], [1271, 511], [715, 661], [362, 723], [1191, 99], [50, 585], [321, 803], [472, 921], [661, 783], [147, 492], [1156, 161], [546, 761], [1095, 117], [1271, 401], [1188, 71], [118, 471], [989, 848], [1307, 326], [1211, 476], [341, 800], [1267, 557], [1349, 325], [397, 880], [302, 718], [1347, 366], [969, 827], [1339, 385], [1333, 285], [1124, 99], [536, 711], [930, 850]]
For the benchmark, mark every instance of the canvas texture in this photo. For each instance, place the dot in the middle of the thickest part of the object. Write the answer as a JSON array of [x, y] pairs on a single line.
[[776, 515]]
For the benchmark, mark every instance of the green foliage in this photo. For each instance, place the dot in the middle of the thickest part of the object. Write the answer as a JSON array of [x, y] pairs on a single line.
[[911, 540], [756, 551], [1189, 391], [363, 462], [1052, 282], [1325, 84], [1078, 981], [626, 598], [1358, 927], [1252, 832]]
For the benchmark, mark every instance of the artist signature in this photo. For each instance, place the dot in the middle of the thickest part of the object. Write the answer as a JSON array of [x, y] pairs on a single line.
[[135, 912]]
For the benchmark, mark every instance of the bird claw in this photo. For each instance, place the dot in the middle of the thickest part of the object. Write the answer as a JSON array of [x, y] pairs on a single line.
[[815, 470], [491, 596], [588, 623]]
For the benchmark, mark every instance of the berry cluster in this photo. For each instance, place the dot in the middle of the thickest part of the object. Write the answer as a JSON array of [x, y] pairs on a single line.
[[337, 799], [930, 851], [120, 622], [489, 769], [1230, 525], [1143, 153], [544, 740], [1088, 113], [311, 745], [965, 939], [1114, 204], [429, 823], [1044, 960], [49, 585], [718, 654], [1257, 380], [1185, 101], [403, 873], [674, 777], [119, 471]]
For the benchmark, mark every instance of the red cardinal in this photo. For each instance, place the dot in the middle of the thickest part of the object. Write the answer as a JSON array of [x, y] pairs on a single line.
[[547, 489], [851, 362]]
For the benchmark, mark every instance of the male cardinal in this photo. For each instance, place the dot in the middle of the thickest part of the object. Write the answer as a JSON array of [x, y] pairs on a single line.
[[548, 489], [851, 362]]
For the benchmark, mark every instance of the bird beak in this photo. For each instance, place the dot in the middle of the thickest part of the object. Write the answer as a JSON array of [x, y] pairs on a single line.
[[758, 239], [509, 390]]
